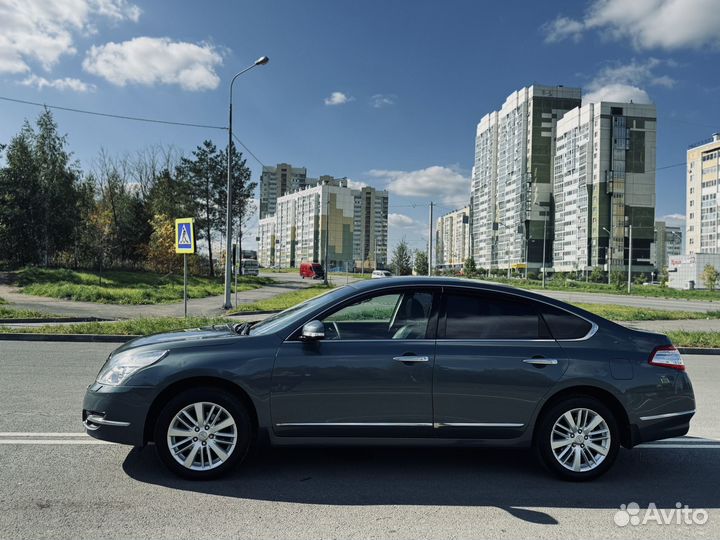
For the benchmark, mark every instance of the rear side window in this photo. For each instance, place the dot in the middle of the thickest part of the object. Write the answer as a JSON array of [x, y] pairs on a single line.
[[470, 316], [564, 325]]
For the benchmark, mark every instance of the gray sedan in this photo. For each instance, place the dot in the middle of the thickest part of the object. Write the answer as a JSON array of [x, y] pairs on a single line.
[[420, 361]]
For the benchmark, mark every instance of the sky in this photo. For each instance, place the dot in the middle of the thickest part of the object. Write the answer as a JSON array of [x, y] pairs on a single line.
[[386, 93]]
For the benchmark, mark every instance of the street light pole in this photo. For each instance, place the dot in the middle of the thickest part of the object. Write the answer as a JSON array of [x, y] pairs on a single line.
[[327, 238], [609, 253], [544, 247], [228, 211], [629, 256]]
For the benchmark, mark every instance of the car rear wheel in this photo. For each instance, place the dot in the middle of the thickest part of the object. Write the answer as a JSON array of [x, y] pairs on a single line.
[[203, 433], [578, 439]]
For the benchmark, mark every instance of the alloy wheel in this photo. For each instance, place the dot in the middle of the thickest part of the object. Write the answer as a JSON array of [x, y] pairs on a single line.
[[202, 436], [580, 440]]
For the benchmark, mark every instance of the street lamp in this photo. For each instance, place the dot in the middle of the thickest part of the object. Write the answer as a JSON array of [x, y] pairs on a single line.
[[609, 252], [228, 217]]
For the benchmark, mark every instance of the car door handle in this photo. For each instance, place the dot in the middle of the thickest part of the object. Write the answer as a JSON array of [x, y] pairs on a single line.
[[411, 358], [541, 361]]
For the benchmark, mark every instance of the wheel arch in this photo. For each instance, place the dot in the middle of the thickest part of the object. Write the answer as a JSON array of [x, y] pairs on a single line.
[[604, 396], [196, 382]]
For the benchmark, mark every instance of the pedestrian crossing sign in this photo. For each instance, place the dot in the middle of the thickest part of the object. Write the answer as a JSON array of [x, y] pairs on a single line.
[[184, 236]]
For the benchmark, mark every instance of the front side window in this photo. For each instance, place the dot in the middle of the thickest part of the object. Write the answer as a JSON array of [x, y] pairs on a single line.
[[397, 315], [491, 316]]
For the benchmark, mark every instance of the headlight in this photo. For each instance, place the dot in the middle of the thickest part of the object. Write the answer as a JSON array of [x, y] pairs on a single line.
[[122, 365]]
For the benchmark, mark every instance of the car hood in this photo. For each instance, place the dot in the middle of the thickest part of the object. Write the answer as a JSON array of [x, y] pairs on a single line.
[[182, 337]]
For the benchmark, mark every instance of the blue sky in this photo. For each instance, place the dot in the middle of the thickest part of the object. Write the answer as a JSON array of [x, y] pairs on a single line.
[[384, 92]]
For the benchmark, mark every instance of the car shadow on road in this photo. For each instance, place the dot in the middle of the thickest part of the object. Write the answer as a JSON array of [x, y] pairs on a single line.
[[507, 479]]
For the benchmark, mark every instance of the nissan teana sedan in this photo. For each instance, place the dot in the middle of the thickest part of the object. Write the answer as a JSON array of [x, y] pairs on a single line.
[[426, 361]]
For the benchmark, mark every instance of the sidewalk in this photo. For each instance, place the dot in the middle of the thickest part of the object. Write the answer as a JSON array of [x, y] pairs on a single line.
[[688, 325]]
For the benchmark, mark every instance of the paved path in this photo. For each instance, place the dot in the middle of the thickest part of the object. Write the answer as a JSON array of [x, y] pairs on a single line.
[[56, 484], [689, 325], [209, 306], [633, 301]]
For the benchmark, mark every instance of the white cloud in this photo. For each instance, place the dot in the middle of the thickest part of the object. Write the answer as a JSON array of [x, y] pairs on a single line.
[[436, 182], [379, 101], [647, 24], [618, 92], [338, 98], [400, 220], [356, 184], [674, 220], [624, 82], [66, 83], [563, 28], [149, 61], [38, 31]]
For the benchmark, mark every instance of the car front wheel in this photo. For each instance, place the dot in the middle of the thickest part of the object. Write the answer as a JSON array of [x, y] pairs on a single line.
[[578, 439], [203, 433]]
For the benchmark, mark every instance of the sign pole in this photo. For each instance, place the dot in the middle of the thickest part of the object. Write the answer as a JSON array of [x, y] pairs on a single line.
[[185, 273]]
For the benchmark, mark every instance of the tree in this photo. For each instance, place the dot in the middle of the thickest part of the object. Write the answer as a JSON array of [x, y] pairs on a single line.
[[421, 263], [400, 262], [597, 275], [469, 267], [161, 256], [664, 276], [618, 279], [710, 276]]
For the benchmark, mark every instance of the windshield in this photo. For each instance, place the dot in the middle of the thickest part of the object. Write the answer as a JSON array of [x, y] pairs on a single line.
[[292, 315]]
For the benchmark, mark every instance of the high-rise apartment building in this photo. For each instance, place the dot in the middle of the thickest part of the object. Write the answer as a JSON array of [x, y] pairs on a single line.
[[513, 178], [370, 225], [453, 239], [356, 221], [668, 243], [604, 184], [278, 181], [703, 180]]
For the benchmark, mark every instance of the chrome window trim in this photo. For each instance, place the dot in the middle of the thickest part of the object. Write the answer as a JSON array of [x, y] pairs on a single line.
[[478, 424], [593, 325], [666, 415], [97, 419]]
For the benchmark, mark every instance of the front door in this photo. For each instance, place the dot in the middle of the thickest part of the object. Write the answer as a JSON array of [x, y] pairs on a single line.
[[495, 361], [370, 376]]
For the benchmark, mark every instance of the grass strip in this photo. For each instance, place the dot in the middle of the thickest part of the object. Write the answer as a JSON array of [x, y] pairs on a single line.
[[131, 327], [283, 301]]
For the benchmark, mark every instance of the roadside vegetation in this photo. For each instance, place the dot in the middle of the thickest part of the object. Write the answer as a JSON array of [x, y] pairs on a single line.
[[283, 301], [682, 338], [132, 327], [626, 313], [9, 312], [123, 287]]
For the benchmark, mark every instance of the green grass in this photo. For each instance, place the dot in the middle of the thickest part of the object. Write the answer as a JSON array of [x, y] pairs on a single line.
[[282, 301], [2, 301], [7, 312], [133, 327], [356, 275], [121, 287], [626, 313], [682, 338], [582, 286]]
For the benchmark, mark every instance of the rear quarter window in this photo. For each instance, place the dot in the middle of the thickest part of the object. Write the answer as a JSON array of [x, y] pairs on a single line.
[[565, 325]]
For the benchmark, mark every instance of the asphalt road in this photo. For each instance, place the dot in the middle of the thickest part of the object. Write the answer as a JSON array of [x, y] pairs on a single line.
[[56, 483]]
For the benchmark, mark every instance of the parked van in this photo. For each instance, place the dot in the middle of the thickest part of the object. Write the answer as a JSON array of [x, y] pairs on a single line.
[[249, 267], [311, 270]]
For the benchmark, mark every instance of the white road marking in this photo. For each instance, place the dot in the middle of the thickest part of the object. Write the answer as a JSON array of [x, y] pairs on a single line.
[[31, 434], [53, 441]]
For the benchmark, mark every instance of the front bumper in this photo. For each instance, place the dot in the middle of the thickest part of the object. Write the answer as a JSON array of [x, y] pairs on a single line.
[[117, 413]]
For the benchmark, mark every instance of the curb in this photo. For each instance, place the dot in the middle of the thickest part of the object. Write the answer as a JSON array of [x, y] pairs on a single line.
[[78, 338]]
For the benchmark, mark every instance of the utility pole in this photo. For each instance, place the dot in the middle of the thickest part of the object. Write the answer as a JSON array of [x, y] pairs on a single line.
[[430, 242], [608, 254], [629, 257], [544, 244], [327, 234]]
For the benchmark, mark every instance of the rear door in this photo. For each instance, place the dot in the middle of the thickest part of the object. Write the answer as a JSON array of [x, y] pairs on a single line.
[[495, 360]]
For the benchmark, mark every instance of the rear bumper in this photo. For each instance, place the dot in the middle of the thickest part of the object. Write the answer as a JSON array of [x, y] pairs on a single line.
[[663, 426], [117, 414]]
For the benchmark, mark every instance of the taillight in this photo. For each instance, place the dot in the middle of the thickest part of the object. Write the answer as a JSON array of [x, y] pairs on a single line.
[[667, 356]]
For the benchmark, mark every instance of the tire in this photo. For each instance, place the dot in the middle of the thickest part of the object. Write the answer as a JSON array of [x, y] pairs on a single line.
[[554, 429], [214, 451]]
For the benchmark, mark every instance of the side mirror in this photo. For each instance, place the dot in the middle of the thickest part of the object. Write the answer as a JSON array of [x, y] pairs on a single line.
[[313, 330]]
